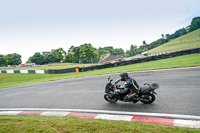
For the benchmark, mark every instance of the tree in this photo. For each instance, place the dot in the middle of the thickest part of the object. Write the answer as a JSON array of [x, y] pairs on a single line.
[[3, 61], [76, 51], [49, 57], [88, 54], [133, 49], [145, 46], [178, 33], [144, 43], [59, 54], [37, 58], [195, 24], [138, 51], [102, 51], [167, 35], [70, 57], [127, 53], [118, 51], [183, 31], [13, 59], [110, 49]]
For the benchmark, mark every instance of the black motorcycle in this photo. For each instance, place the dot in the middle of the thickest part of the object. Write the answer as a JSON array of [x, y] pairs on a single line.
[[146, 93]]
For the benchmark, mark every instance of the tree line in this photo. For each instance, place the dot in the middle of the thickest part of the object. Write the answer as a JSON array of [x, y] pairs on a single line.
[[86, 53], [10, 59]]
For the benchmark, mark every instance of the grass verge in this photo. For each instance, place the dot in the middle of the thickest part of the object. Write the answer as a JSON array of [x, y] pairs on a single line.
[[32, 124], [10, 80], [52, 66]]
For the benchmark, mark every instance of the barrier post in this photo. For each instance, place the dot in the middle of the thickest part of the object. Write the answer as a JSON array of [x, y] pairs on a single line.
[[77, 70]]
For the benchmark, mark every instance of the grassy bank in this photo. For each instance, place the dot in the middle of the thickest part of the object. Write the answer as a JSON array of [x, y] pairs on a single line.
[[190, 40], [10, 80], [16, 124]]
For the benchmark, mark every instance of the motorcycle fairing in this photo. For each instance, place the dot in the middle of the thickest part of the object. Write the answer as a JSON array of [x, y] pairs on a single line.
[[144, 89]]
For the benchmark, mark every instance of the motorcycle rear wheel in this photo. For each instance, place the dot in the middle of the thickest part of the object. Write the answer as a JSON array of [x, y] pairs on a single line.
[[148, 98], [110, 99]]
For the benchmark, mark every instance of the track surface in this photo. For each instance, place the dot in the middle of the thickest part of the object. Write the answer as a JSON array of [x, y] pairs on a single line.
[[179, 93]]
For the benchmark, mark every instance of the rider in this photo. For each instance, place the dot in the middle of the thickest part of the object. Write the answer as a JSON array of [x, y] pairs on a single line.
[[130, 83]]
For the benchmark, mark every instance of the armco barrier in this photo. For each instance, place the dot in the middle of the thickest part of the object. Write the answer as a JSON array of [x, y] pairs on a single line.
[[25, 71]]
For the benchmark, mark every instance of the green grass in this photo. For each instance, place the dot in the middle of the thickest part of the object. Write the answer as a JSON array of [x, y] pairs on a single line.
[[190, 40], [11, 80], [35, 124], [52, 66]]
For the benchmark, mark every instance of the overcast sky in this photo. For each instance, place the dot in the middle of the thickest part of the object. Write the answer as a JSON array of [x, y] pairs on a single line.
[[29, 26]]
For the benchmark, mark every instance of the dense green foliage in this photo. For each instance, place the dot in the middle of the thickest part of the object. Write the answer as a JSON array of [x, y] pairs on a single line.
[[3, 61], [10, 59], [195, 24], [56, 55], [37, 58], [85, 53]]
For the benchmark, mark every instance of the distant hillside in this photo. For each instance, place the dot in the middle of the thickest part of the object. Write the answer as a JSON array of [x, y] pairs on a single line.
[[190, 40]]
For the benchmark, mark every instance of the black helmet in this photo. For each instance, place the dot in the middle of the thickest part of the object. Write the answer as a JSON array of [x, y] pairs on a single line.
[[124, 76]]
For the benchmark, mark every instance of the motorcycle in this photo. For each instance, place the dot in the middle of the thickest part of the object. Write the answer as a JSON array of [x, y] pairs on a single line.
[[145, 95]]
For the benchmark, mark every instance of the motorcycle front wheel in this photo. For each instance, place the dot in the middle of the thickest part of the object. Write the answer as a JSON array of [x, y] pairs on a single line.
[[110, 99], [147, 98]]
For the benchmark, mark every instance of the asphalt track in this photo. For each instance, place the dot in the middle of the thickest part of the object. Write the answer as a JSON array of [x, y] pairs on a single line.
[[179, 93]]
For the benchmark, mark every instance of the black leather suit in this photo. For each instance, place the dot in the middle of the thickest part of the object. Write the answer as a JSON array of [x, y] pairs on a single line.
[[131, 84]]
